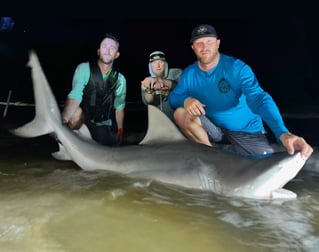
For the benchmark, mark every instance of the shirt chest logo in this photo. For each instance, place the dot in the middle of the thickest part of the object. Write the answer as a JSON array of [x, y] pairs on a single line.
[[223, 86]]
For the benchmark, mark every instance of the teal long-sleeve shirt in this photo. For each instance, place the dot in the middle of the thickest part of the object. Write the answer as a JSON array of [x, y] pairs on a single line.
[[80, 80], [232, 95]]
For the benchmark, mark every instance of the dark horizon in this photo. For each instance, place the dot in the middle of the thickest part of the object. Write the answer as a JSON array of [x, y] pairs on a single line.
[[281, 51]]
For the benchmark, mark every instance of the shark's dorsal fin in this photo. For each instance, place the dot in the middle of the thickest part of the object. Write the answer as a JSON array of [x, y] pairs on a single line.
[[160, 128]]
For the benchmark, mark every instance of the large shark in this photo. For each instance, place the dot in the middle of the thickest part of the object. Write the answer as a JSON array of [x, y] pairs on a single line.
[[164, 155]]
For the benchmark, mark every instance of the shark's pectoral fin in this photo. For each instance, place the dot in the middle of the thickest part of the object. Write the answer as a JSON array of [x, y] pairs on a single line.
[[62, 154]]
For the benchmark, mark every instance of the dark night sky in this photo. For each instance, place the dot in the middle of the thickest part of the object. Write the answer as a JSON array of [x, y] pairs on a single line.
[[281, 49]]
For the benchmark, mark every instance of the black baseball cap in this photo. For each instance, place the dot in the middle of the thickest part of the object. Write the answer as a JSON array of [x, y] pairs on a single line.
[[203, 30]]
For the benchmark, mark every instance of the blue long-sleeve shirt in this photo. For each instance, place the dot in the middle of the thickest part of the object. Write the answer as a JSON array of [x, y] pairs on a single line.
[[233, 98]]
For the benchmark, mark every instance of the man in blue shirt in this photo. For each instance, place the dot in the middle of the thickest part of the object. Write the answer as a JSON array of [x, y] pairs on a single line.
[[219, 95]]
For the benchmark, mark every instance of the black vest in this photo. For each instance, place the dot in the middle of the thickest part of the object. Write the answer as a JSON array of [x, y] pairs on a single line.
[[98, 95]]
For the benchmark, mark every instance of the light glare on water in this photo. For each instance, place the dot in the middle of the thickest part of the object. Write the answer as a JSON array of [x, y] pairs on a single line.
[[53, 206]]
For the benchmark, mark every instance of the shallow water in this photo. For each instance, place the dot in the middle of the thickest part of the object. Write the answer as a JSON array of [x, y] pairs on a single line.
[[51, 205]]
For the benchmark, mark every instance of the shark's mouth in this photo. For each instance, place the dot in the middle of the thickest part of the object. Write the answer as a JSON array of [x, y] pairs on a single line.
[[287, 170], [282, 193]]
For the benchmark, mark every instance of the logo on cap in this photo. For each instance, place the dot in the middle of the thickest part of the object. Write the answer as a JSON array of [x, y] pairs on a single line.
[[202, 29], [157, 55]]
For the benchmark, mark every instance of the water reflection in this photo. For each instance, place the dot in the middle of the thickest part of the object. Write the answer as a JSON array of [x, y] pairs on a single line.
[[50, 205]]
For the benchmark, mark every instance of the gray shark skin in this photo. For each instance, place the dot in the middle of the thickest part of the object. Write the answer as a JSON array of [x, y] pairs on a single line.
[[164, 155]]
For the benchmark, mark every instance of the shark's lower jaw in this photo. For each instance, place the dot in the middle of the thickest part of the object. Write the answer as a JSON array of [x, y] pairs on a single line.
[[282, 193], [287, 169]]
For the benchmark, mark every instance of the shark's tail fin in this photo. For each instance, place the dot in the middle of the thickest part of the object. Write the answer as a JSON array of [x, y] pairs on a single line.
[[47, 110]]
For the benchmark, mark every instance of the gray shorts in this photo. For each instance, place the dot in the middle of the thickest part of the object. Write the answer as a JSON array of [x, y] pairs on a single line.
[[245, 143]]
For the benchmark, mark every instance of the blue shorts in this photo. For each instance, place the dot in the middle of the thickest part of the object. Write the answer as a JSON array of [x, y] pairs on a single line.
[[254, 144]]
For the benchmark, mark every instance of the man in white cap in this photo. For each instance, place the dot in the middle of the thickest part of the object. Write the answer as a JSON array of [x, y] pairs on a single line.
[[162, 80]]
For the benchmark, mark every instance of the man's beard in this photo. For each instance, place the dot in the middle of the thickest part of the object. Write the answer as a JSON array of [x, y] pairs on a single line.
[[207, 60], [106, 62]]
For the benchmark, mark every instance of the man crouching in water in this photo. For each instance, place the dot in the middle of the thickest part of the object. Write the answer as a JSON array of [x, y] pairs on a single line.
[[219, 96], [98, 94]]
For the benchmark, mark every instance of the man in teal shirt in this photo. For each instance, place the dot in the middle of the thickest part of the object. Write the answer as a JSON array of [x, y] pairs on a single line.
[[98, 96]]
